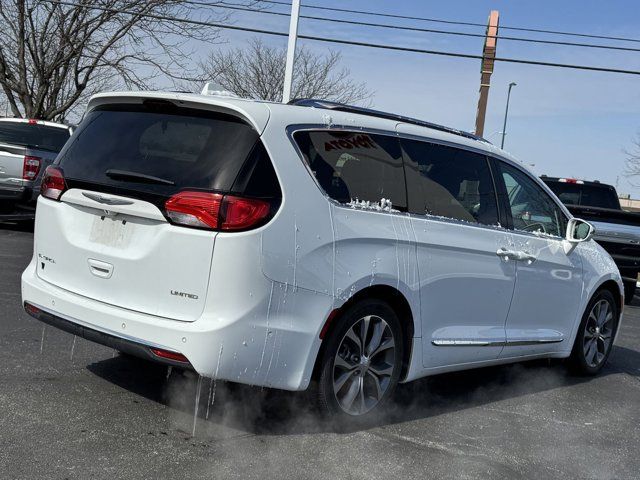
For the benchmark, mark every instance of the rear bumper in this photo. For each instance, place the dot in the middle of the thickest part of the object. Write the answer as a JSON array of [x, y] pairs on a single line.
[[131, 346], [272, 342], [15, 194]]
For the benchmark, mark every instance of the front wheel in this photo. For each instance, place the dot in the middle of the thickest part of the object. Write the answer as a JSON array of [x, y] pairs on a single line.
[[594, 340], [360, 366]]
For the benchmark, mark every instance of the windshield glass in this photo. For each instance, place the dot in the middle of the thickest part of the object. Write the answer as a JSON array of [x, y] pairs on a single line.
[[35, 136]]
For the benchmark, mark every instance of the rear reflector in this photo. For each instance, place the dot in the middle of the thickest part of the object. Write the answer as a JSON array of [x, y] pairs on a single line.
[[32, 309], [169, 355], [30, 167], [214, 211], [53, 184], [332, 316]]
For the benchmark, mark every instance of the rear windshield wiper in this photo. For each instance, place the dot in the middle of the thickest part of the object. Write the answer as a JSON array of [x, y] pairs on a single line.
[[136, 177]]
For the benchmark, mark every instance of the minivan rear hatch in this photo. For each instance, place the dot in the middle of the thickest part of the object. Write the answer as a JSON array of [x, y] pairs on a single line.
[[109, 238]]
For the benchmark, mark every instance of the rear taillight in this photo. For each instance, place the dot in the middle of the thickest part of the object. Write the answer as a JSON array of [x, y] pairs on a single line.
[[30, 167], [214, 211], [53, 184], [194, 209], [169, 355], [242, 213]]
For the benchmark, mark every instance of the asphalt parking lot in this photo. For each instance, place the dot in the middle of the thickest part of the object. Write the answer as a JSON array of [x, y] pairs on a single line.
[[73, 409]]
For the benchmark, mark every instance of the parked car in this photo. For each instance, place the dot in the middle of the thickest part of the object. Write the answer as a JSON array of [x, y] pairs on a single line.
[[617, 231], [313, 244], [27, 147]]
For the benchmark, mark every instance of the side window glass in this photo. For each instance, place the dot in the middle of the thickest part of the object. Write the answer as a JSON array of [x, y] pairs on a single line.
[[531, 208], [449, 182], [352, 166]]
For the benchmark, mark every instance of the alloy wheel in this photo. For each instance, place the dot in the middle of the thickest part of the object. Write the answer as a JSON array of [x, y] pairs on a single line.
[[598, 333], [364, 365]]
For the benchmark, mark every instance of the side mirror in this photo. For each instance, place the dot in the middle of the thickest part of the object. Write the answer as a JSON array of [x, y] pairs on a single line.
[[578, 231]]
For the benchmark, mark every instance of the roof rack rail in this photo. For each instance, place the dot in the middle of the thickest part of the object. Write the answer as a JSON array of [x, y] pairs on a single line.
[[341, 107]]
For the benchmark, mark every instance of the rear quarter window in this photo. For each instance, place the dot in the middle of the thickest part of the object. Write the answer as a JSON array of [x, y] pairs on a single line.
[[353, 166]]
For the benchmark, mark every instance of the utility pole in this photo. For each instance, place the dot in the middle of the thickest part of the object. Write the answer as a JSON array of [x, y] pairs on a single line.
[[506, 112], [488, 56], [291, 50]]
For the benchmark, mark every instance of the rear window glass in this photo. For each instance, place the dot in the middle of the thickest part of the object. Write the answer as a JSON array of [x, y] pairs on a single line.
[[587, 195], [158, 149], [353, 166], [41, 137]]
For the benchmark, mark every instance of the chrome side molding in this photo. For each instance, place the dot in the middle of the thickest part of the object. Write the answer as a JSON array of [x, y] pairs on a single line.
[[488, 343]]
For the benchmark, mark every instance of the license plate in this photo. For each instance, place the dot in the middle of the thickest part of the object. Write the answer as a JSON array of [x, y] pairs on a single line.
[[113, 232]]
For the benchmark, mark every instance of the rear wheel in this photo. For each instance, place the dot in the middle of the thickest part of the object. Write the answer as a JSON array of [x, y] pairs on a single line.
[[597, 330], [360, 366]]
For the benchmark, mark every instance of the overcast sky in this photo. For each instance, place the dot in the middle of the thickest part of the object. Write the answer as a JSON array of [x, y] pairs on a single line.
[[565, 122]]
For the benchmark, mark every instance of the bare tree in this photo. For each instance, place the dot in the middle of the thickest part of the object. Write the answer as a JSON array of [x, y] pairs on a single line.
[[258, 72], [632, 165], [4, 106], [56, 53]]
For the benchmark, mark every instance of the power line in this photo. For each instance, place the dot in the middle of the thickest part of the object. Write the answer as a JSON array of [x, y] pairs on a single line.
[[345, 42], [376, 14], [452, 22], [414, 29]]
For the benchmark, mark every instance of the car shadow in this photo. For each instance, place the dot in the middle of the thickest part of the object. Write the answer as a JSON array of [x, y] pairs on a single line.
[[275, 412]]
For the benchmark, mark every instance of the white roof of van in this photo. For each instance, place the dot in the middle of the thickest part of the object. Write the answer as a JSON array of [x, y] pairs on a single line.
[[258, 113]]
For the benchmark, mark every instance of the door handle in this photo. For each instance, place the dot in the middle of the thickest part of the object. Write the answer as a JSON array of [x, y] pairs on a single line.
[[526, 257], [516, 254], [506, 254], [99, 268]]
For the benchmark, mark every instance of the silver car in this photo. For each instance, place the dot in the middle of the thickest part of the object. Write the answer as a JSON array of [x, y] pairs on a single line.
[[27, 147]]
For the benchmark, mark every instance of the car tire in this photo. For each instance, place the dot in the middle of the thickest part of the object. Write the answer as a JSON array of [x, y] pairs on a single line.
[[355, 382], [629, 292], [595, 336]]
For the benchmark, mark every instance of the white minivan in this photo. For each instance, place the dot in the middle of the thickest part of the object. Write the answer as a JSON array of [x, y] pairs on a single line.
[[311, 244]]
